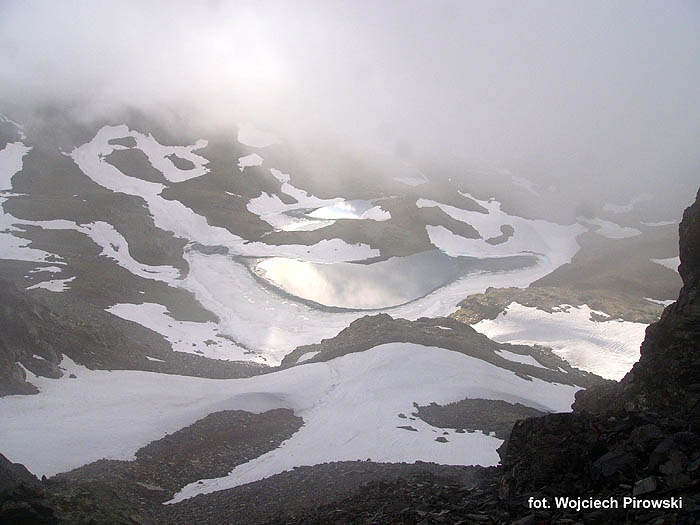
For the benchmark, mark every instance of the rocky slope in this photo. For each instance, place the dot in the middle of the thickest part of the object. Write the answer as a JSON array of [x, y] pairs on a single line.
[[38, 336], [638, 438], [667, 377]]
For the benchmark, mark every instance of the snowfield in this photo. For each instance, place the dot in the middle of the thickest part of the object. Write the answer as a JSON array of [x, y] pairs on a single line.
[[228, 289], [671, 263], [555, 244], [608, 348], [350, 407], [609, 229]]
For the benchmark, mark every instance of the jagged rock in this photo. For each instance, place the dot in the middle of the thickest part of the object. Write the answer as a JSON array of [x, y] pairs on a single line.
[[644, 486], [664, 379]]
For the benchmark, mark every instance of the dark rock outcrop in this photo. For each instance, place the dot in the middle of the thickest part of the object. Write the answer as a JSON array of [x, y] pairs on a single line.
[[667, 377]]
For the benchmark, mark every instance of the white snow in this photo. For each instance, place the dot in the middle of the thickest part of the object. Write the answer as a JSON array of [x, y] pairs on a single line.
[[249, 160], [410, 175], [349, 406], [554, 243], [658, 223], [173, 216], [609, 229], [154, 359], [306, 356], [519, 358], [272, 210], [671, 263], [350, 210], [524, 183], [56, 285], [360, 397], [249, 135], [663, 303], [281, 216], [11, 247], [50, 269], [11, 162], [184, 336], [115, 247], [608, 348], [104, 235], [183, 222], [38, 357], [626, 208], [158, 156], [229, 290]]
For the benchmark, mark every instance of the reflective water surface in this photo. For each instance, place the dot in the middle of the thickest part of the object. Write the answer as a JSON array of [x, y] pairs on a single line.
[[362, 286]]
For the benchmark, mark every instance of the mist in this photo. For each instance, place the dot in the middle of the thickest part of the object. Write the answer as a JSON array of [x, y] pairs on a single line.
[[595, 95]]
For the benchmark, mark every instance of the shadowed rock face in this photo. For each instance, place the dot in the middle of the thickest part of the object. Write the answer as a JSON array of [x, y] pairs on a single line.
[[667, 376]]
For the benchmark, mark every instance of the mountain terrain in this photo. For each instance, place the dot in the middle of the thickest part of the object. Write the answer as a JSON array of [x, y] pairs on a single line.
[[206, 328]]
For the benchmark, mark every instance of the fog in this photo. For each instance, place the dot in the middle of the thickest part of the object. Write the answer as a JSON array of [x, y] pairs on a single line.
[[600, 92]]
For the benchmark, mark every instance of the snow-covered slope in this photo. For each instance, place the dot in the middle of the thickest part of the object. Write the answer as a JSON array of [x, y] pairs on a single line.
[[606, 348], [350, 407]]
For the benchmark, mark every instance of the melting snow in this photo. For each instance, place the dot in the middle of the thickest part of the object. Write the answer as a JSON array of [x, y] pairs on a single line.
[[671, 263], [306, 356], [519, 358], [249, 135], [659, 223], [657, 301], [610, 229], [524, 183], [556, 244], [626, 208], [56, 285], [184, 336], [249, 160], [608, 348]]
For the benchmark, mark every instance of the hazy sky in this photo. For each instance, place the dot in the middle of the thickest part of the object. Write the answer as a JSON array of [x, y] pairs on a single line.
[[606, 90]]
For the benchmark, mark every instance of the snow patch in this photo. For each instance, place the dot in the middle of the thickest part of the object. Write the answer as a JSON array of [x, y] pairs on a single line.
[[608, 348], [555, 244], [663, 303], [306, 356], [671, 263], [610, 229], [249, 135], [184, 336], [348, 404], [519, 358], [56, 285], [249, 160]]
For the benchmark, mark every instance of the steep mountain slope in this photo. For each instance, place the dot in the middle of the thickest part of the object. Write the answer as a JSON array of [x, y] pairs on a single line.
[[153, 281], [639, 441]]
